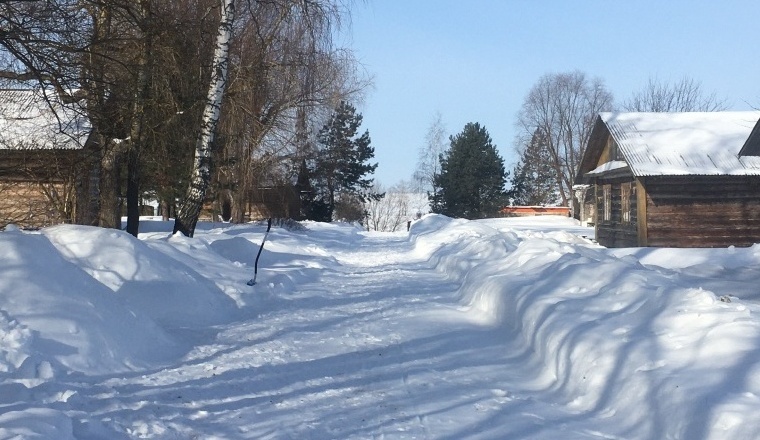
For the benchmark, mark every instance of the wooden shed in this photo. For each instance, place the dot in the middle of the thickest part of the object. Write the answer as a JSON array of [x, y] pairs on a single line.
[[41, 143], [687, 179]]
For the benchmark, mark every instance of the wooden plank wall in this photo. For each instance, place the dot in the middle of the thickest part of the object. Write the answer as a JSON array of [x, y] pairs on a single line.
[[34, 185], [276, 202], [33, 165], [712, 211], [26, 205]]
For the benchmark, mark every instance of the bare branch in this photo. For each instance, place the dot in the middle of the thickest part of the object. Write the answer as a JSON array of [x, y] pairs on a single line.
[[685, 95]]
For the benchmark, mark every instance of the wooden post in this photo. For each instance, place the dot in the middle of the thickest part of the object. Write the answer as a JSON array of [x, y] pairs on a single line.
[[641, 214]]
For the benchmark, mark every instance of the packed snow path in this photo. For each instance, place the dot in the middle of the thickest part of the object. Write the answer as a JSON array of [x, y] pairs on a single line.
[[458, 330]]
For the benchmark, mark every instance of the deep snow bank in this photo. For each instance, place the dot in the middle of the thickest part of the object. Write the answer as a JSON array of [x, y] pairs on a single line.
[[150, 283], [645, 348], [96, 300], [54, 315]]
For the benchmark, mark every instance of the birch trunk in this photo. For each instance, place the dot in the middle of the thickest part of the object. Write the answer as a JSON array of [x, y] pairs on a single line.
[[190, 207]]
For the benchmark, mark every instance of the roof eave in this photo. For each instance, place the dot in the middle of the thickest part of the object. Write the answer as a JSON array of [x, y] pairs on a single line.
[[611, 174], [593, 150], [751, 146]]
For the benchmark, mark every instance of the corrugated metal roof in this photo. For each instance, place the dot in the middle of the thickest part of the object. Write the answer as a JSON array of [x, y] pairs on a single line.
[[30, 119], [690, 143]]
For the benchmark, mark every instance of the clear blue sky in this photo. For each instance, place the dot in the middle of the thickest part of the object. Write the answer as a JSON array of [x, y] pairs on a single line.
[[476, 60]]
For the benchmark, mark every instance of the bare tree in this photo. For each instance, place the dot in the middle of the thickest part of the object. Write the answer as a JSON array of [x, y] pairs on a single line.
[[285, 80], [40, 47], [284, 68], [428, 162], [563, 107], [399, 204], [685, 95], [387, 213], [41, 41], [102, 49], [176, 97]]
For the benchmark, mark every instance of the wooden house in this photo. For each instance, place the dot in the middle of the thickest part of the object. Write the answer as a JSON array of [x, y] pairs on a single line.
[[276, 201], [675, 179], [41, 141]]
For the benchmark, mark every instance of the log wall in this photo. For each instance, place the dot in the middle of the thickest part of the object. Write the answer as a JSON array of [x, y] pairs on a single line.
[[26, 205], [35, 186], [711, 211]]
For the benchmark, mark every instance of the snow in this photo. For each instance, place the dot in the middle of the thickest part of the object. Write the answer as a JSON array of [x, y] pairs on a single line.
[[33, 119], [608, 166], [499, 328], [688, 143]]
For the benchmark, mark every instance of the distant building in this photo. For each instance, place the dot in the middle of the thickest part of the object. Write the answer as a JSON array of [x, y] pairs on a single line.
[[674, 179], [41, 142], [526, 211]]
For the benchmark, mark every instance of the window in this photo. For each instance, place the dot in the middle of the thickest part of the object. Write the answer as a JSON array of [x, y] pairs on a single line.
[[625, 202], [607, 202], [614, 150]]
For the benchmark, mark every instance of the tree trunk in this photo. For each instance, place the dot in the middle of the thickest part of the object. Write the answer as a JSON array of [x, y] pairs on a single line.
[[88, 184], [136, 135], [164, 209], [110, 207], [239, 206], [190, 207], [133, 191]]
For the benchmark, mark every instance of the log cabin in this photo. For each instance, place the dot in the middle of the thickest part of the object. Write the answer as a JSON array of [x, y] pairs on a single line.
[[688, 179], [41, 141]]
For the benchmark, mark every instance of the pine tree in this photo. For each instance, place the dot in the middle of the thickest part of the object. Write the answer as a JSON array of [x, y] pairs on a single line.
[[342, 163], [533, 179], [472, 177]]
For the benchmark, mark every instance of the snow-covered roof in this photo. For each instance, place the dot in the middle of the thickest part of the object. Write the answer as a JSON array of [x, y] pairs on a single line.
[[31, 119], [608, 166], [690, 143]]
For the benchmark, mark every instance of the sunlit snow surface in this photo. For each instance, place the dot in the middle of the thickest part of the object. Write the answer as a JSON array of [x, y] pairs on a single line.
[[495, 329]]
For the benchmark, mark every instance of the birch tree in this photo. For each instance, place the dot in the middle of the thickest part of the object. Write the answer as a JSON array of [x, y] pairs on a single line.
[[190, 207], [141, 110], [286, 78], [428, 164], [184, 35]]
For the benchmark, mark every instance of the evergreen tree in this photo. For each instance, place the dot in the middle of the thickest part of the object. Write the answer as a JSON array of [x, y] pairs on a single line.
[[533, 178], [472, 177], [341, 167]]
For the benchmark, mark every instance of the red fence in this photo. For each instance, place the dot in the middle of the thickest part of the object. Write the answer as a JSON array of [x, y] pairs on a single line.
[[525, 211]]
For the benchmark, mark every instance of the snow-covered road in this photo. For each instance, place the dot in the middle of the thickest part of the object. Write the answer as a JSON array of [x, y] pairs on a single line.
[[459, 330]]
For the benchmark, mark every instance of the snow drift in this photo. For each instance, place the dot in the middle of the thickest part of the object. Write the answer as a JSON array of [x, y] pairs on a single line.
[[502, 328]]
